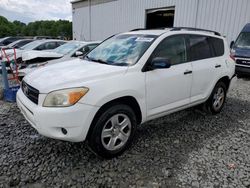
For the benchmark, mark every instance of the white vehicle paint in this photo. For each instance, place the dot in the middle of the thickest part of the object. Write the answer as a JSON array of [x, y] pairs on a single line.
[[153, 73], [34, 54]]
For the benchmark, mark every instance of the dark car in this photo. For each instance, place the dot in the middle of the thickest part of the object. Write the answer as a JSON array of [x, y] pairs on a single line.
[[7, 40], [241, 51], [19, 43]]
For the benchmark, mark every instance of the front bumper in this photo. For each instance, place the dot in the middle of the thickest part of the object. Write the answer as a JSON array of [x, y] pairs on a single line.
[[242, 70], [50, 121]]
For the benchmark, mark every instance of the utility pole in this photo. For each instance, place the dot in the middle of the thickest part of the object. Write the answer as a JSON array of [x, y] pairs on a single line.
[[196, 16]]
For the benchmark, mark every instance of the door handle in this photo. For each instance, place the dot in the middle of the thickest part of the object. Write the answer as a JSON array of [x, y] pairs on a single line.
[[217, 66], [188, 72]]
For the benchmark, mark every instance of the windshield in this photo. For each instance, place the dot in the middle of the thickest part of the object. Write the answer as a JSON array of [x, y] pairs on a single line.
[[68, 48], [31, 45], [122, 50], [243, 41], [3, 39]]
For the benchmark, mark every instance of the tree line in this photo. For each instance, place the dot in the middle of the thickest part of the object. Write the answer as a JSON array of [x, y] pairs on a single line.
[[60, 28]]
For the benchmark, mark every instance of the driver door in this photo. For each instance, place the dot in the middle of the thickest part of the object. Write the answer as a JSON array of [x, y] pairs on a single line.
[[169, 89]]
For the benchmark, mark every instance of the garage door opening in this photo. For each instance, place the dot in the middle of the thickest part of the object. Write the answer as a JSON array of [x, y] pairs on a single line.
[[160, 18]]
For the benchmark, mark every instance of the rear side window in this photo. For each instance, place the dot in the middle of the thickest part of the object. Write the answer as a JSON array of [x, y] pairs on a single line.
[[60, 43], [218, 46], [41, 47], [50, 45], [199, 48]]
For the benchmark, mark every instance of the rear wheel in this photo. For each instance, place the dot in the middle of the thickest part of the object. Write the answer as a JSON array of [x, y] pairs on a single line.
[[216, 101], [113, 131]]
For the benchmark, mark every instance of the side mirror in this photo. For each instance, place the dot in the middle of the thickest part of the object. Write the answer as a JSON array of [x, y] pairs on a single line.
[[160, 63], [231, 44], [78, 53]]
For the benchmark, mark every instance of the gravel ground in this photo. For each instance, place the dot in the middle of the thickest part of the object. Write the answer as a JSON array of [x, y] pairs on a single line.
[[185, 149]]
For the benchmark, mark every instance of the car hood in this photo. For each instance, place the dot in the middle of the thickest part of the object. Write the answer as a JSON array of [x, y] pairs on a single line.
[[32, 54], [60, 60], [75, 73], [242, 52]]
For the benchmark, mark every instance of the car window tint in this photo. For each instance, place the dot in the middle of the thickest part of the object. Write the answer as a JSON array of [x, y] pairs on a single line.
[[50, 45], [87, 48], [172, 48], [60, 43], [218, 46], [22, 43], [199, 48], [40, 47], [92, 46]]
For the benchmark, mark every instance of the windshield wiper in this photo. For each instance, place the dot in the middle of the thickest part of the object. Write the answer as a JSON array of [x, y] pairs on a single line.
[[97, 60]]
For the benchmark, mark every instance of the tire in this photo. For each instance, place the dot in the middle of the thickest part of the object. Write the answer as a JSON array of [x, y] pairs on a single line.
[[217, 99], [112, 133], [240, 76]]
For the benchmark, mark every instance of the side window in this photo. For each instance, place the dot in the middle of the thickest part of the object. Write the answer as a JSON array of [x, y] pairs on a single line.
[[218, 46], [199, 48], [40, 47], [22, 43], [92, 46], [172, 48], [87, 48], [50, 45], [59, 44]]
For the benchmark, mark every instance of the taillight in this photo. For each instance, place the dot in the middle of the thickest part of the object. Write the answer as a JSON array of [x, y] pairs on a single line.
[[232, 57]]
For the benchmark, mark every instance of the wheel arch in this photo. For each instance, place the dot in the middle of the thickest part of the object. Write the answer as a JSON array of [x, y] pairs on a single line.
[[126, 100], [226, 80]]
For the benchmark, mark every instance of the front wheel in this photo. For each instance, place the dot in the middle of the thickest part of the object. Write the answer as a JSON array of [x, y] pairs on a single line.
[[113, 131], [216, 101]]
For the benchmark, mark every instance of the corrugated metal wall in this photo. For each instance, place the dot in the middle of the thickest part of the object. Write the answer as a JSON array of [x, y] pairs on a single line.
[[225, 16]]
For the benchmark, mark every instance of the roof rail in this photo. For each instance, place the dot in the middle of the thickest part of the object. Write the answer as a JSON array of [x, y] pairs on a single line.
[[194, 29], [138, 29]]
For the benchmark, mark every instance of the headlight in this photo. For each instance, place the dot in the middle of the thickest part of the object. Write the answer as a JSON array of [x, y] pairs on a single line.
[[65, 97]]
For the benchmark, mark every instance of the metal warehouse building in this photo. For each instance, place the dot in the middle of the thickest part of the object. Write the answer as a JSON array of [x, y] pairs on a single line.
[[98, 19]]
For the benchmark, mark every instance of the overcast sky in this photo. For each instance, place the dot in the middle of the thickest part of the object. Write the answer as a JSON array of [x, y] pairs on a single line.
[[32, 10]]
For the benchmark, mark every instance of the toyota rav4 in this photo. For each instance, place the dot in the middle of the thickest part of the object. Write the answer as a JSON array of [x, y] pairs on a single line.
[[127, 80]]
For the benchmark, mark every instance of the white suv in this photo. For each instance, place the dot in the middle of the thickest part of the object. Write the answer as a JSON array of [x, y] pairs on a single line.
[[127, 80]]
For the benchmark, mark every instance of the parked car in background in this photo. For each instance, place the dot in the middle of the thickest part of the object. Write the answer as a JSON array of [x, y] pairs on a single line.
[[34, 59], [241, 51], [7, 40], [127, 80], [35, 45], [45, 44], [43, 37], [18, 44]]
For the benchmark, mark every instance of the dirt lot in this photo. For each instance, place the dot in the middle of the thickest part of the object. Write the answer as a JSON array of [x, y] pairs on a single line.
[[186, 149]]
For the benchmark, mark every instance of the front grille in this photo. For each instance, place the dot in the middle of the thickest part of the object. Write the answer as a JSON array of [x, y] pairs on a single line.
[[243, 62], [30, 92]]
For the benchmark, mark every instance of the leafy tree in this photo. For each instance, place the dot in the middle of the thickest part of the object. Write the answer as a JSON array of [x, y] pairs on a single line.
[[60, 28]]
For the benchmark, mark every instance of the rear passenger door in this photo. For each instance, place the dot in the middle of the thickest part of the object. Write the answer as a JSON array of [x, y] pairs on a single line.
[[205, 66]]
